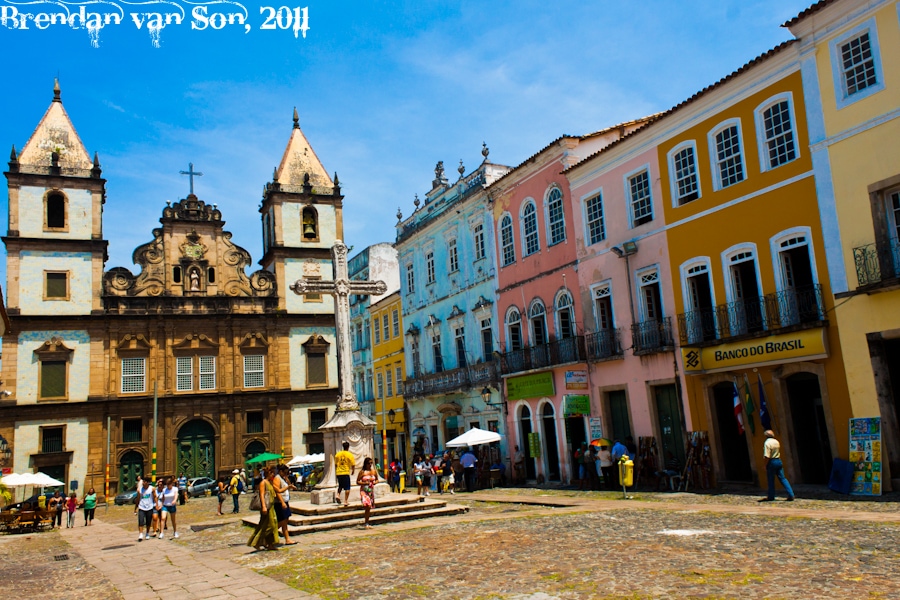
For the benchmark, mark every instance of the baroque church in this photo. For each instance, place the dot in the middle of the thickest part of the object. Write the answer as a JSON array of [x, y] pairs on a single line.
[[235, 362]]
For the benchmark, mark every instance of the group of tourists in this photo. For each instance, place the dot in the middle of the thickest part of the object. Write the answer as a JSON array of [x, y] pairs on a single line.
[[58, 504], [155, 506]]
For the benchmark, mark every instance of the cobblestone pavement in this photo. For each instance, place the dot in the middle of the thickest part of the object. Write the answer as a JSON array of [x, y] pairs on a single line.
[[544, 544]]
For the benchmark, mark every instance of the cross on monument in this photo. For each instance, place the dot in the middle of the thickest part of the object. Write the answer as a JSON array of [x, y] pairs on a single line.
[[341, 288], [191, 173]]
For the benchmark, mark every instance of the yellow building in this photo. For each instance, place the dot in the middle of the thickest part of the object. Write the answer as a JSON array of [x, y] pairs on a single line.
[[386, 321], [752, 291], [852, 83]]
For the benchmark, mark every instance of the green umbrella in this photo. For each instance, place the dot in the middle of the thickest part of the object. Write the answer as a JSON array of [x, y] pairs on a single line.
[[264, 457]]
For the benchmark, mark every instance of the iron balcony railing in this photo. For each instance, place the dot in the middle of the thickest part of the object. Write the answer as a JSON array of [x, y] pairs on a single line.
[[793, 306], [876, 263], [652, 336], [606, 343], [453, 380], [557, 352]]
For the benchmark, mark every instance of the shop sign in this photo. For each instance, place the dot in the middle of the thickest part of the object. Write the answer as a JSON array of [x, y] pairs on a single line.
[[596, 428], [577, 380], [534, 444], [808, 344], [535, 385], [575, 406], [865, 454]]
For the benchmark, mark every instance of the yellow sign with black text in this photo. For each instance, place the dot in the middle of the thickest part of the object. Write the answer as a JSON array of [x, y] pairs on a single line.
[[808, 344]]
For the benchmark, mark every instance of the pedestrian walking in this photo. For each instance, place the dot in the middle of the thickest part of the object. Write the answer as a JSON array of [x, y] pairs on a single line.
[[366, 481], [344, 467], [71, 506], [266, 533], [774, 467], [283, 486], [618, 451], [57, 506], [235, 489], [89, 502], [168, 503], [146, 494], [604, 457], [157, 509], [182, 489], [469, 463], [220, 493], [423, 468]]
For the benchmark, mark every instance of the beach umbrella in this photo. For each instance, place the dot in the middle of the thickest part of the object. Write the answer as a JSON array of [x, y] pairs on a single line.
[[474, 437], [601, 442], [264, 457]]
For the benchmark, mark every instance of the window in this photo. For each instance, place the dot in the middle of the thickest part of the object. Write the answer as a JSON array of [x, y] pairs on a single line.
[[650, 296], [429, 266], [774, 122], [52, 439], [538, 318], [414, 355], [53, 379], [529, 227], [699, 320], [316, 349], [683, 171], [317, 418], [436, 352], [133, 375], [389, 380], [856, 64], [603, 306], [557, 217], [211, 275], [565, 318], [399, 375], [514, 330], [454, 256], [395, 317], [184, 367], [376, 329], [460, 340], [743, 289], [479, 241], [207, 372], [254, 421], [506, 240], [410, 279], [641, 202], [596, 226], [132, 431], [487, 340], [379, 378], [728, 163], [385, 327], [56, 285], [55, 217], [254, 373]]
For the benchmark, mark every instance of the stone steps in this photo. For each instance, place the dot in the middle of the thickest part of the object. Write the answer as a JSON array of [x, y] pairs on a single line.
[[309, 518]]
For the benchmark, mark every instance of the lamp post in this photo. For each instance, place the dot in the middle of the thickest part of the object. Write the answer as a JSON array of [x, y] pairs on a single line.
[[5, 451]]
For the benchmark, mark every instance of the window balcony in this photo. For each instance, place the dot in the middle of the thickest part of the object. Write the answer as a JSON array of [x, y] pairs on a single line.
[[453, 380], [654, 336], [770, 313], [557, 352], [604, 344], [877, 266]]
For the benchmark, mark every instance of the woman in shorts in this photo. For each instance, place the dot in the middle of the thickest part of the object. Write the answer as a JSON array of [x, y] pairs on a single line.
[[169, 504]]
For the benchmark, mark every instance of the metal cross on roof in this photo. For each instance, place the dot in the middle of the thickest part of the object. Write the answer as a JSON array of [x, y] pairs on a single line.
[[191, 173]]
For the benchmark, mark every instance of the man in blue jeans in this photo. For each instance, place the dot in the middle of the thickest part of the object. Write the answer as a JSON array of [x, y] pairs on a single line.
[[774, 467]]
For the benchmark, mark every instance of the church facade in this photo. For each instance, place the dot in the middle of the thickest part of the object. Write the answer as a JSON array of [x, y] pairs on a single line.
[[236, 363]]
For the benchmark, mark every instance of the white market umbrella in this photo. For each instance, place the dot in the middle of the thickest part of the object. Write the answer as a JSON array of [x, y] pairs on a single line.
[[44, 480], [473, 437], [12, 480]]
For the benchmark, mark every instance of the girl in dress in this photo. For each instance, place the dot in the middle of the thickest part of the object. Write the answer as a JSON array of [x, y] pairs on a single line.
[[366, 481]]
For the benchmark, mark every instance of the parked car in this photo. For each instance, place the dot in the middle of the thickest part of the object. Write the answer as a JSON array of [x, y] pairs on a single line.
[[198, 486], [126, 497]]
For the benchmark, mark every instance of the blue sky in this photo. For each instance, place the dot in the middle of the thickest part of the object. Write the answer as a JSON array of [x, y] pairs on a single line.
[[384, 90]]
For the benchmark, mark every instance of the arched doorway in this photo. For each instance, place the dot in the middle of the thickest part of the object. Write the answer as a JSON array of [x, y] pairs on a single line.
[[551, 444], [525, 430], [733, 445], [810, 429], [196, 449], [254, 448], [130, 468]]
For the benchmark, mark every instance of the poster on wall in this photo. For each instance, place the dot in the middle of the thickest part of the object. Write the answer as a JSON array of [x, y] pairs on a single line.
[[865, 454], [577, 380], [596, 428], [534, 445]]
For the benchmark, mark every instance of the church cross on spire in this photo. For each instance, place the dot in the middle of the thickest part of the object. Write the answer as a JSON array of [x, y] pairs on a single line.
[[191, 173]]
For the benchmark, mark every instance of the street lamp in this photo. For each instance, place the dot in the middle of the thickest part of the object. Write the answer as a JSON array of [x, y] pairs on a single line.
[[486, 396], [391, 416], [5, 450]]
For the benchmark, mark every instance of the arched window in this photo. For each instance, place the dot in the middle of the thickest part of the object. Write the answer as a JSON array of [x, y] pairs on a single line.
[[513, 330], [530, 229], [55, 215], [538, 318], [310, 225], [565, 318], [556, 217], [507, 246]]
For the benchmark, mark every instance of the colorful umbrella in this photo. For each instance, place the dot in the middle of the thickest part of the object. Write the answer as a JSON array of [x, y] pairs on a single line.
[[601, 442], [264, 457]]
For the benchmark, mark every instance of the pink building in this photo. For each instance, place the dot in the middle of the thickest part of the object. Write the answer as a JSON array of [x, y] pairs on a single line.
[[625, 287], [542, 333]]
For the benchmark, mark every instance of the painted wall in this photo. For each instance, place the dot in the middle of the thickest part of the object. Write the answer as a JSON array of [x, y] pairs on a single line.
[[296, 304], [31, 286], [78, 216], [28, 365], [299, 336], [28, 442], [291, 222]]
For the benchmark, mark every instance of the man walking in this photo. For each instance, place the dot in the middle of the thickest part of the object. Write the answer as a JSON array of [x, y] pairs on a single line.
[[146, 494], [344, 467], [618, 451], [519, 466], [235, 490], [774, 467], [469, 461]]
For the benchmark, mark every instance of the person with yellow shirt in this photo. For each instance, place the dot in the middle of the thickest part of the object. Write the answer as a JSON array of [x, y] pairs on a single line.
[[344, 467]]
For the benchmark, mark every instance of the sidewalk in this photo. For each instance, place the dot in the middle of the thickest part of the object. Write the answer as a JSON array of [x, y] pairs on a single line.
[[162, 569]]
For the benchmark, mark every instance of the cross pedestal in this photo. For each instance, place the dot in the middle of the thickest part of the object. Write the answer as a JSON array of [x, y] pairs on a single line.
[[348, 423]]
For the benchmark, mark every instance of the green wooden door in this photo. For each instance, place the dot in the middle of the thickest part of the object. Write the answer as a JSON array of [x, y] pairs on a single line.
[[620, 427], [131, 467], [669, 422], [196, 450]]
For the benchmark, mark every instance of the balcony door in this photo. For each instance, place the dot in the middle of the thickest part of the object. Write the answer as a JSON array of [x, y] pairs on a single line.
[[798, 301], [746, 313], [700, 319]]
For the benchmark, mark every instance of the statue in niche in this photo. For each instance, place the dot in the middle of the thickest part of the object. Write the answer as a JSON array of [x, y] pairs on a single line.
[[195, 280]]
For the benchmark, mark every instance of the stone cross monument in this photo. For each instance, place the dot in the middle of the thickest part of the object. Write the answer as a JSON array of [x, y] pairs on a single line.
[[348, 423]]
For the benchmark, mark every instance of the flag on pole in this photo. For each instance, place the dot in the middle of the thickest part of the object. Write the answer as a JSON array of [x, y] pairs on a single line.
[[737, 409], [764, 418], [748, 405]]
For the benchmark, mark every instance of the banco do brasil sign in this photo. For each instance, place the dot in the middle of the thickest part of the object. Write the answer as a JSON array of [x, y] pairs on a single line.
[[789, 347]]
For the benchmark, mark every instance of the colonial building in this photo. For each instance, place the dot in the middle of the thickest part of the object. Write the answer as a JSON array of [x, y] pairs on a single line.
[[447, 279], [237, 363], [852, 95], [389, 369]]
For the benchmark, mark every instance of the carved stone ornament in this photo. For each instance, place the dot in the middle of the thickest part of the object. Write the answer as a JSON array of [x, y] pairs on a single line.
[[312, 268], [354, 432]]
